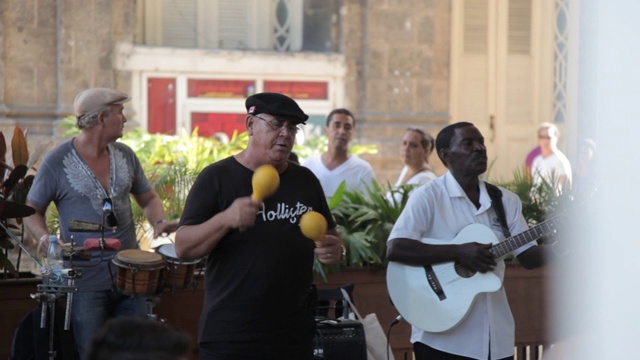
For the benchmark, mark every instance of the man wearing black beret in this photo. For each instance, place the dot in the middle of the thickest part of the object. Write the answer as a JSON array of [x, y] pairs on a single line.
[[259, 269]]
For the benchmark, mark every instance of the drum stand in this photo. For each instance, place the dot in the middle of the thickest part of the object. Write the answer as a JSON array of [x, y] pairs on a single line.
[[152, 301], [48, 293]]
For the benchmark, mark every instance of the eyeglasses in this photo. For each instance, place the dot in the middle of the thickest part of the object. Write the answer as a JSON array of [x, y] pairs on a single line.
[[544, 137], [107, 209], [277, 125]]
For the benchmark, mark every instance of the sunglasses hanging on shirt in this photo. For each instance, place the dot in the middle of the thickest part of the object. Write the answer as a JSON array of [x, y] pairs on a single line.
[[109, 215]]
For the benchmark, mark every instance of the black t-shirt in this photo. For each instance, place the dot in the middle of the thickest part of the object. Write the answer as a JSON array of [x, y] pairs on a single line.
[[258, 279]]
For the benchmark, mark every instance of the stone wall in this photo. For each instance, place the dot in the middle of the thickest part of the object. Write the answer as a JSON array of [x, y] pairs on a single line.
[[398, 62], [397, 57], [51, 50]]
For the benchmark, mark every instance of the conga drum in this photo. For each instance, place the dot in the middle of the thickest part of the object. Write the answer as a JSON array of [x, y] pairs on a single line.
[[178, 274], [138, 272]]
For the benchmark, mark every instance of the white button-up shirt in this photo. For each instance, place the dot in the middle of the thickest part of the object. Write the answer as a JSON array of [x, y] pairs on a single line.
[[439, 210]]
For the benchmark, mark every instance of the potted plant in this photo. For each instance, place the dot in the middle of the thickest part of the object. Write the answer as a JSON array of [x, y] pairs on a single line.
[[17, 179], [172, 164], [364, 221], [538, 202]]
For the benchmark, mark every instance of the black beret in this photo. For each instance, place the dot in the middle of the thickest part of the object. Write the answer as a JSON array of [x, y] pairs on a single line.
[[277, 105]]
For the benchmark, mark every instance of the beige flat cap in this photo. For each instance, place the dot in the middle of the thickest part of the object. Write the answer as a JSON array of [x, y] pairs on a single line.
[[95, 99]]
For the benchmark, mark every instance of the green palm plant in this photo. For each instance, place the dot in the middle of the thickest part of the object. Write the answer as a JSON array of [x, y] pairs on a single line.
[[172, 183], [364, 221], [193, 150], [172, 164], [538, 202]]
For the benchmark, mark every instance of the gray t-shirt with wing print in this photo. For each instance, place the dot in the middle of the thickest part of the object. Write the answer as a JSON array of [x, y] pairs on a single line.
[[65, 179]]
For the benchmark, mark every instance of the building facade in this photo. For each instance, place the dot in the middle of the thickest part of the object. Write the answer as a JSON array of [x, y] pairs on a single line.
[[191, 63]]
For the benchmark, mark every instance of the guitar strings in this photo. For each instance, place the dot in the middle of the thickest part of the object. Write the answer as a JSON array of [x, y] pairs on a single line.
[[544, 228]]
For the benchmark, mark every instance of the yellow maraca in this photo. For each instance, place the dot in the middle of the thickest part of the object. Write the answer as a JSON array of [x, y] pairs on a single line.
[[265, 182], [313, 225]]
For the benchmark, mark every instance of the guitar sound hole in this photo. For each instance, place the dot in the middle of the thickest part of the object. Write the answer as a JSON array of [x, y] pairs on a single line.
[[464, 271]]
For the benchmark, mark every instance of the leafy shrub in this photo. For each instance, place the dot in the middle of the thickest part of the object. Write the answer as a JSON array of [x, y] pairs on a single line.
[[364, 221], [16, 182], [538, 203]]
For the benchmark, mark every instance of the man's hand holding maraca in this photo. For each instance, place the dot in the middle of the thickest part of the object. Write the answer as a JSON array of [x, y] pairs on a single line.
[[265, 182], [329, 247], [242, 212]]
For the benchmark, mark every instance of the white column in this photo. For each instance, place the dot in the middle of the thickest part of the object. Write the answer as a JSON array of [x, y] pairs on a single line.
[[598, 314]]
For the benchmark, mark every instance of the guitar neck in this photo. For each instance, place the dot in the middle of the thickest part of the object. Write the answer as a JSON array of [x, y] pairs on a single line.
[[508, 245]]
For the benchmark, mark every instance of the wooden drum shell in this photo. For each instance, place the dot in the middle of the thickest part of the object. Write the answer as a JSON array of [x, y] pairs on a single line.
[[139, 272]]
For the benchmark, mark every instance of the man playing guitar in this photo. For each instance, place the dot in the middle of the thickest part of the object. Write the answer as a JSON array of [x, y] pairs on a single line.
[[439, 211]]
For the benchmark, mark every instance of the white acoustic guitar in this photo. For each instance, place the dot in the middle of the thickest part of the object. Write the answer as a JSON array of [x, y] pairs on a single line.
[[436, 298]]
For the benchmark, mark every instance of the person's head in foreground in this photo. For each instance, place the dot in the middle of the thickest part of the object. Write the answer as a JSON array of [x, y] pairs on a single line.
[[129, 338]]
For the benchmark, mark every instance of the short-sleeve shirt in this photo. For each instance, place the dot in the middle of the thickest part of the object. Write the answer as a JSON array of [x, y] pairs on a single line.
[[258, 279], [550, 168], [439, 210], [65, 179], [357, 173]]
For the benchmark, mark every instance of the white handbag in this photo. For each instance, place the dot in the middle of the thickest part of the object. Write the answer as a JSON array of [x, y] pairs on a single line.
[[377, 345]]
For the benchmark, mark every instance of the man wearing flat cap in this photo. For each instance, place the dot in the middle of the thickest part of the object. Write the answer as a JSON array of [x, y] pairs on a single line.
[[90, 178], [259, 271]]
